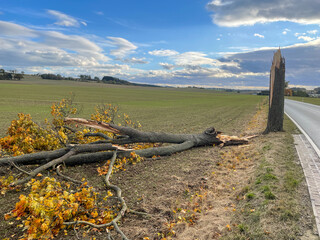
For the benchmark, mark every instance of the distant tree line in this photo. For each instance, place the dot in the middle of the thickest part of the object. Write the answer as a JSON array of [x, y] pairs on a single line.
[[113, 80], [13, 75], [51, 76], [84, 78], [299, 92], [317, 90], [88, 78], [10, 75]]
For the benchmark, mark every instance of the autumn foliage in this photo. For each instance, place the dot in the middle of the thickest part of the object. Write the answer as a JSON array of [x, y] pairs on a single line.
[[26, 136], [50, 203]]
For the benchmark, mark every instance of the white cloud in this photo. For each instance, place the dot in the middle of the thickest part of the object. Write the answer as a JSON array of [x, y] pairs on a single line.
[[21, 46], [248, 12], [15, 30], [218, 39], [123, 47], [285, 31], [167, 66], [163, 52], [64, 19], [312, 31], [72, 42], [134, 60], [193, 59], [306, 38], [258, 35], [99, 13]]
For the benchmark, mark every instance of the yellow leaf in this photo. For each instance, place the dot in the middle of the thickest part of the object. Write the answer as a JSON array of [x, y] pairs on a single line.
[[228, 227]]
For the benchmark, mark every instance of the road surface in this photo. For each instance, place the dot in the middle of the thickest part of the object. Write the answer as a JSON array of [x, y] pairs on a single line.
[[307, 116]]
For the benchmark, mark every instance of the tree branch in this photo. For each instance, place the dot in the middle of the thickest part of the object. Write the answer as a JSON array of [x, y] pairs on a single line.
[[66, 177], [98, 134], [20, 169], [122, 202]]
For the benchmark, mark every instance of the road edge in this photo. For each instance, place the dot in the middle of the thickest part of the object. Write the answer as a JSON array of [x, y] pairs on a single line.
[[317, 150]]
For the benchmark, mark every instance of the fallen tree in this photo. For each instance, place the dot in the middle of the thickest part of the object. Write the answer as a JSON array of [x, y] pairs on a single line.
[[103, 150], [120, 146]]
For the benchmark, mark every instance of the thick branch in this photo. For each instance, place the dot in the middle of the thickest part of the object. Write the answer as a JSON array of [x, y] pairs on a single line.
[[149, 152], [98, 134], [44, 167], [72, 151], [47, 156], [134, 136], [96, 152]]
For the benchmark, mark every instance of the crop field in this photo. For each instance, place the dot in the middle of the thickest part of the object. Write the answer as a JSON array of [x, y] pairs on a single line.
[[254, 191], [158, 109]]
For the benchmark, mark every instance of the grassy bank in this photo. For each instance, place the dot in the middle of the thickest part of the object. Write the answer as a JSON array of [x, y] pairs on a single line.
[[315, 101], [275, 203]]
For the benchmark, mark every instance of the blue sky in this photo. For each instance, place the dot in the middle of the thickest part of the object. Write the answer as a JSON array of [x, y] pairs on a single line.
[[208, 43]]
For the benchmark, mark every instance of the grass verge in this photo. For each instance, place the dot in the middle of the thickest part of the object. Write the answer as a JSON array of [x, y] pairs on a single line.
[[275, 204], [315, 101]]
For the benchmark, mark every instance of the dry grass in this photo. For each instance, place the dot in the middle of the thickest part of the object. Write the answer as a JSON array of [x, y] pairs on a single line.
[[275, 203]]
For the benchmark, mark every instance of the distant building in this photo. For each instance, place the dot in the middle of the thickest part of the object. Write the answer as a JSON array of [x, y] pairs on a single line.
[[315, 95], [264, 93]]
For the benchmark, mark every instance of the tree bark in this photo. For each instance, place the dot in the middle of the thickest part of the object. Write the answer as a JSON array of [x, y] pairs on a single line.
[[276, 97]]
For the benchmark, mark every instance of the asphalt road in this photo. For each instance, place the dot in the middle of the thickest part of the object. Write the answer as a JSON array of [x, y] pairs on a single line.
[[307, 116]]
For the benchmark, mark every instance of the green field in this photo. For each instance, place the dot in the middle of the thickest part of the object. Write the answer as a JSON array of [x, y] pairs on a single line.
[[158, 109], [315, 101]]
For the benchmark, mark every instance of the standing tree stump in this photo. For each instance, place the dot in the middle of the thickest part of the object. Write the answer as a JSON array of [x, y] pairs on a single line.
[[276, 97]]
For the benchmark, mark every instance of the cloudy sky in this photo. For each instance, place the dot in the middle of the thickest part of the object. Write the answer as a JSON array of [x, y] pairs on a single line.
[[209, 43]]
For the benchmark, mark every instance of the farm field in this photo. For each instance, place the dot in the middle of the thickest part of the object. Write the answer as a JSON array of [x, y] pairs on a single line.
[[255, 191], [158, 109], [315, 101]]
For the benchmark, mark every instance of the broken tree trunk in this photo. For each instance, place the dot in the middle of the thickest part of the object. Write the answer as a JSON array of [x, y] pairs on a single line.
[[97, 152], [276, 97]]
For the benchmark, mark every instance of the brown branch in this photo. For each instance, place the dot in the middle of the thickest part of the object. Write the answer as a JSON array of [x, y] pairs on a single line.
[[44, 167], [75, 232], [98, 134], [139, 213], [66, 177], [20, 169]]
